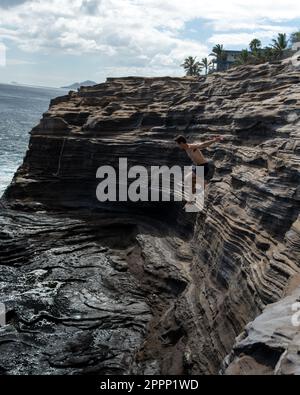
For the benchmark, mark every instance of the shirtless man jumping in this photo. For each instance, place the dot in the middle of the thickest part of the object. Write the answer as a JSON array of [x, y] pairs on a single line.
[[197, 157]]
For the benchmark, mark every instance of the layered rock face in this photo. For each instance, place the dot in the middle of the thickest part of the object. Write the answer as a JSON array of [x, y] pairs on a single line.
[[146, 288]]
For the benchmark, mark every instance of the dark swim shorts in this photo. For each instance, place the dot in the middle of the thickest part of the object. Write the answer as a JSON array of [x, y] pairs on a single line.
[[208, 170]]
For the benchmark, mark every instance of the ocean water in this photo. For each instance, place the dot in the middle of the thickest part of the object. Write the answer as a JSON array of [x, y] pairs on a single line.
[[21, 108]]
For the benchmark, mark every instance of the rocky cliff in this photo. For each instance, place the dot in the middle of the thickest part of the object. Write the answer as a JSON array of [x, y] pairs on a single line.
[[145, 288]]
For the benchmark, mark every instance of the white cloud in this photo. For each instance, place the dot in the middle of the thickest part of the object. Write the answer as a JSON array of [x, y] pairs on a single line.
[[250, 25], [139, 33], [243, 39], [2, 55], [18, 62]]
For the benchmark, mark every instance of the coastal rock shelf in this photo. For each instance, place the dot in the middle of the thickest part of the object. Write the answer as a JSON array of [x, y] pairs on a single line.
[[81, 294], [145, 288]]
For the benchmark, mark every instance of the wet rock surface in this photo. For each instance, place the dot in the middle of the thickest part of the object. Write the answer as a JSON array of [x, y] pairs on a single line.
[[80, 294], [144, 288]]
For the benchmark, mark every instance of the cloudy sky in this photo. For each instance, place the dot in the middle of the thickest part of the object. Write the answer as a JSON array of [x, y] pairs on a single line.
[[57, 42]]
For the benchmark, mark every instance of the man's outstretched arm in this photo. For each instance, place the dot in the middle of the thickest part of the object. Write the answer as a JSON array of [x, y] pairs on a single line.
[[206, 144]]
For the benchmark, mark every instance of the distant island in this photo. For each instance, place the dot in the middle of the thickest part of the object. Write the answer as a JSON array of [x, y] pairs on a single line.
[[77, 85]]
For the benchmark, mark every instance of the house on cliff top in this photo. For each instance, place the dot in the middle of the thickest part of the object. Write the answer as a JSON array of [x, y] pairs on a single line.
[[230, 58]]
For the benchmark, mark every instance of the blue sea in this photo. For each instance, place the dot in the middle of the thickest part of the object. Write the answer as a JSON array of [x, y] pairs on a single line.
[[21, 108]]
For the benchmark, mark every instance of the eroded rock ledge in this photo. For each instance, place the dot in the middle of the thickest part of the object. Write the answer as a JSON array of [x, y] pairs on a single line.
[[93, 288]]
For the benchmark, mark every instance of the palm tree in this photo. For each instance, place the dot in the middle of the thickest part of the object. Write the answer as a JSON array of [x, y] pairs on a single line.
[[220, 55], [295, 37], [191, 66], [218, 52], [243, 58], [205, 64], [255, 45], [256, 51], [280, 44], [268, 54]]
